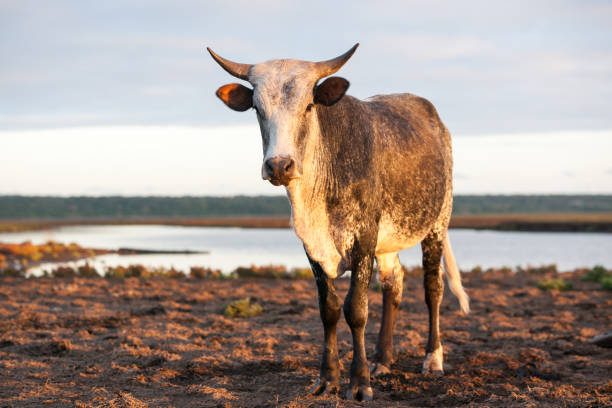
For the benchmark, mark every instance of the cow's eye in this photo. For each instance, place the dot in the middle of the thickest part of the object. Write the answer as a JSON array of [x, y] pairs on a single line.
[[309, 107]]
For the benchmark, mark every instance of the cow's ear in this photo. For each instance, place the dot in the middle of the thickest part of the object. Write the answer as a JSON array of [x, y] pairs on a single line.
[[331, 90], [237, 97]]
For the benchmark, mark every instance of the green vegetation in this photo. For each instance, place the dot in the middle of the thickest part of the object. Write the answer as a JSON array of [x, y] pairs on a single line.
[[596, 274], [529, 204], [600, 275], [606, 282], [243, 308], [20, 207], [538, 270], [199, 272], [139, 271], [271, 272], [43, 207], [556, 284]]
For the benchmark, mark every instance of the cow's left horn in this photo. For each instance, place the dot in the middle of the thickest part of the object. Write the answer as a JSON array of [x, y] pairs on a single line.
[[329, 67], [238, 70]]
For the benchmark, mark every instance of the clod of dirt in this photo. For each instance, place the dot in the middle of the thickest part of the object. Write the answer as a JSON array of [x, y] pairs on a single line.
[[530, 370], [243, 308], [603, 340], [153, 311], [52, 348]]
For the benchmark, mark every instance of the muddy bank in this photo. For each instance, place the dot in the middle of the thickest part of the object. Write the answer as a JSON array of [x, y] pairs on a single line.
[[166, 342], [558, 222]]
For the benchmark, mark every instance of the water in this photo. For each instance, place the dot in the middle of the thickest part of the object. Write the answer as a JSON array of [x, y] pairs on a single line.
[[232, 247]]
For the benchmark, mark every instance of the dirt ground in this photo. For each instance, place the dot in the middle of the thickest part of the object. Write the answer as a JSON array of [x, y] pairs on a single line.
[[94, 342]]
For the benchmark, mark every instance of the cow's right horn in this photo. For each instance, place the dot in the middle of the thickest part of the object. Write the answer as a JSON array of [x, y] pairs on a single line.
[[238, 70], [329, 67]]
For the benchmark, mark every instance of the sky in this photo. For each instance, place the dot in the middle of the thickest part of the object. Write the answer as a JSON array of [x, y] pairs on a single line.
[[117, 97]]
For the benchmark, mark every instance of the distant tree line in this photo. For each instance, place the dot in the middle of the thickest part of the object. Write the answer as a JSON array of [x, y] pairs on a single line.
[[43, 207]]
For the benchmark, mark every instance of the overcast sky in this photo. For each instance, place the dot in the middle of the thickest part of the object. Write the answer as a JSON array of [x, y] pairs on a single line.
[[94, 78]]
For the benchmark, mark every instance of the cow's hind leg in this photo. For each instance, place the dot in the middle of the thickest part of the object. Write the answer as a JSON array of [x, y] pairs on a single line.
[[329, 307], [356, 314], [432, 247], [391, 279]]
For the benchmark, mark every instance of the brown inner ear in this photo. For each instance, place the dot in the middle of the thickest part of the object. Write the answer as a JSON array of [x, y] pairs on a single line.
[[331, 90], [238, 97]]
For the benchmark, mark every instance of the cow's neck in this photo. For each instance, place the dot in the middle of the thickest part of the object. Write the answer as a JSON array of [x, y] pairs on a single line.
[[335, 159]]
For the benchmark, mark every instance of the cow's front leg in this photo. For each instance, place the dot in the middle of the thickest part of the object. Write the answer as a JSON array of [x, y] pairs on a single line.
[[329, 307], [391, 278], [356, 314], [434, 288]]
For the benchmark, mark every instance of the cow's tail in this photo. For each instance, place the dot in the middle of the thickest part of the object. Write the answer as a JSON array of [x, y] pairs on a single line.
[[453, 277]]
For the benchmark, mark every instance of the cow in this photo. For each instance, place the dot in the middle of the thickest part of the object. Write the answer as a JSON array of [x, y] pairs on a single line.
[[366, 179]]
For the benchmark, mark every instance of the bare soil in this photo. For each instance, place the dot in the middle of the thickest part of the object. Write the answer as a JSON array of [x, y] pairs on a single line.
[[94, 342]]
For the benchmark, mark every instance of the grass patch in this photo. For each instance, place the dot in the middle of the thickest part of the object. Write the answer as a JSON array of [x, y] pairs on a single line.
[[243, 308], [555, 284]]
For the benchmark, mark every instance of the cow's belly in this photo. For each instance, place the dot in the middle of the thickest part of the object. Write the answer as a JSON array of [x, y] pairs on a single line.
[[392, 238]]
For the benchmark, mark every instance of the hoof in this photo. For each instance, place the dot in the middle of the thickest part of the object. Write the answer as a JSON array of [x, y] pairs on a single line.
[[438, 373], [325, 387], [363, 393], [433, 363], [379, 369]]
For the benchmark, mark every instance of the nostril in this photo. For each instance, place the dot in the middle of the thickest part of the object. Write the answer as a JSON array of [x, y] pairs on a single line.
[[288, 166], [269, 167]]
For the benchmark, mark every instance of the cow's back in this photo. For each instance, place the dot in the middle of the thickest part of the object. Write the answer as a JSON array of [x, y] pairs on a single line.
[[413, 161]]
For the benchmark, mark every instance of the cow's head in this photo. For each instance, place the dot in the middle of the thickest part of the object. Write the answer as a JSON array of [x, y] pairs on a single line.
[[285, 94]]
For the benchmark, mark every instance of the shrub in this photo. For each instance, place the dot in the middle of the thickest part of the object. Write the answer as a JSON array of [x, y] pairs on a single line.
[[556, 284], [199, 272], [10, 271], [140, 271], [115, 272], [63, 272], [413, 272], [137, 271], [597, 274], [168, 273], [606, 282], [541, 270], [87, 271], [301, 273], [243, 308], [266, 271]]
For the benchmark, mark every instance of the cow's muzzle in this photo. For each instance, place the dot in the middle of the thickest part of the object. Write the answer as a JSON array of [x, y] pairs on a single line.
[[281, 170]]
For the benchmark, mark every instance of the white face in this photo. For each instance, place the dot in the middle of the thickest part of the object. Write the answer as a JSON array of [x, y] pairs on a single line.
[[283, 98]]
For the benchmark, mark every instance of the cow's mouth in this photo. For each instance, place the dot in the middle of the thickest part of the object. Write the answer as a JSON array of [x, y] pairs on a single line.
[[282, 181]]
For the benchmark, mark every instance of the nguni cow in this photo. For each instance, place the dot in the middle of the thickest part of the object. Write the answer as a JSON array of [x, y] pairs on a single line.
[[366, 179]]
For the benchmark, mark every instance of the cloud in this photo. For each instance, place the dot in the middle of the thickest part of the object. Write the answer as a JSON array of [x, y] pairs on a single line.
[[517, 67]]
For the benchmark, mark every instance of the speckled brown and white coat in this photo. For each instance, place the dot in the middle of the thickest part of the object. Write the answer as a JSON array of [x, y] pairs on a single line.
[[366, 179]]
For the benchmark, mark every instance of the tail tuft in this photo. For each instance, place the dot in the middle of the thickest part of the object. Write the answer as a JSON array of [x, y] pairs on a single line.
[[453, 277]]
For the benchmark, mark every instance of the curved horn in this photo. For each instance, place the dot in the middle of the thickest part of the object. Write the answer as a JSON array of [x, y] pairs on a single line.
[[329, 67], [238, 70]]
